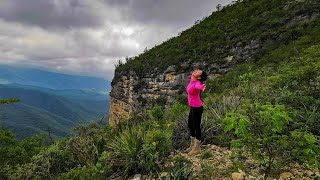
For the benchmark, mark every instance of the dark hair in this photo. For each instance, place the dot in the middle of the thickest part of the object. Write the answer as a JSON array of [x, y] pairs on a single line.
[[203, 77]]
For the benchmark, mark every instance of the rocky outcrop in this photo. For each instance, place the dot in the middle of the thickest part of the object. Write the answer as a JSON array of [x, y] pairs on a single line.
[[138, 90], [131, 92], [135, 92]]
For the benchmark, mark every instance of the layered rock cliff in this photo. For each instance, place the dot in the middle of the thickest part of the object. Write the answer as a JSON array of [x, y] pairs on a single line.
[[217, 44], [131, 92]]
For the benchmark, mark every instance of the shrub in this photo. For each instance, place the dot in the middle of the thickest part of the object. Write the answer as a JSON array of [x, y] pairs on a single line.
[[307, 147], [262, 129], [181, 133], [79, 173], [14, 152], [124, 152], [157, 146], [206, 154], [181, 169], [175, 111], [215, 111], [9, 101], [157, 113], [50, 162], [160, 101]]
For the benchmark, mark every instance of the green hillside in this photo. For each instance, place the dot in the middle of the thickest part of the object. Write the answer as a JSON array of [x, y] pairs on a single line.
[[47, 101], [262, 117], [42, 108], [27, 120], [95, 102], [268, 24]]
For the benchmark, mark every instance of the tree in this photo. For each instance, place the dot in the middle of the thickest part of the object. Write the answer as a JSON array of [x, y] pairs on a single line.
[[8, 101], [219, 7]]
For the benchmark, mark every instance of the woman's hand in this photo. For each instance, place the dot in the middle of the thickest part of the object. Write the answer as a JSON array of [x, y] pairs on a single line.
[[204, 87]]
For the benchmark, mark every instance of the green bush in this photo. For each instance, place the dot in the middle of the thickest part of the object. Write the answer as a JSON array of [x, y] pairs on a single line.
[[49, 162], [175, 111], [14, 152], [264, 131], [215, 111], [157, 113], [181, 169], [157, 146], [8, 101], [124, 151], [307, 147], [206, 154], [79, 173], [140, 149]]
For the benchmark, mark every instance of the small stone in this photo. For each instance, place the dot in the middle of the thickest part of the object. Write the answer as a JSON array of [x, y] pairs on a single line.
[[164, 174], [252, 178], [137, 177], [286, 176], [238, 175], [310, 173]]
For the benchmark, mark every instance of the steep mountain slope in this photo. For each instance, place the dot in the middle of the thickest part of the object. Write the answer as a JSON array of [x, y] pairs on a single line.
[[42, 108], [251, 32], [41, 78], [49, 102], [91, 100], [26, 120]]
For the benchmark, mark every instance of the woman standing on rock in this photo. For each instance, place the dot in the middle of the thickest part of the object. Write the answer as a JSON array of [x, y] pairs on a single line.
[[196, 109]]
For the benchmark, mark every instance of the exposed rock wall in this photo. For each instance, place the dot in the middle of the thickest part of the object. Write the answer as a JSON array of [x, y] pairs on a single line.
[[131, 93]]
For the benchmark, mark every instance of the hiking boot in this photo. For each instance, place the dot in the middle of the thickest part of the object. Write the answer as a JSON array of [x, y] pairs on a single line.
[[191, 145], [196, 148]]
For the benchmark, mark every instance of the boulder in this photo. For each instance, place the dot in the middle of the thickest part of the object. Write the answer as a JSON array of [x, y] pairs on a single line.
[[238, 175], [136, 177], [286, 176]]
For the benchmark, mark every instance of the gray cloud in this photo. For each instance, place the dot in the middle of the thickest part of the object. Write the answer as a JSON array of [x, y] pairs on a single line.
[[168, 12], [87, 36], [51, 13]]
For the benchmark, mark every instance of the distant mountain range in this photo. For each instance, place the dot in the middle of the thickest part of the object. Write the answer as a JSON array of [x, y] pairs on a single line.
[[53, 80], [45, 105]]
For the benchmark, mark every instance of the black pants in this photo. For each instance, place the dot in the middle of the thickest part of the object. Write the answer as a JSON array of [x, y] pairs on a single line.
[[194, 121]]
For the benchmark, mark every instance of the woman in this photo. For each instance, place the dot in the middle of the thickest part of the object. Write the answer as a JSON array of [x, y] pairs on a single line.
[[194, 89]]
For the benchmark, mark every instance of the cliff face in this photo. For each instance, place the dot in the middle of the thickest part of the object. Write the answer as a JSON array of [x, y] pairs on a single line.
[[216, 45], [131, 92]]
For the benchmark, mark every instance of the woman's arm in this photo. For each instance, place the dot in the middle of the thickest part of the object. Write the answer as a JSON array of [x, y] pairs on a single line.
[[200, 86]]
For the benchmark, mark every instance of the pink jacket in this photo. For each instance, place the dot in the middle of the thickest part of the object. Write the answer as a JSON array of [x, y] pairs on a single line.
[[193, 90]]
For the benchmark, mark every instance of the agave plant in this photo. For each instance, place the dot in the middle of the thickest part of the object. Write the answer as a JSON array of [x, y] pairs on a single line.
[[125, 150]]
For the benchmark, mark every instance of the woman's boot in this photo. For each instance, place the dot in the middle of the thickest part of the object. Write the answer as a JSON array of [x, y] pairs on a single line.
[[196, 148], [191, 145]]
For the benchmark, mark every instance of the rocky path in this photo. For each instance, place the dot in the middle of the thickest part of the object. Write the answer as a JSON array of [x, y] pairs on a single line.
[[215, 163]]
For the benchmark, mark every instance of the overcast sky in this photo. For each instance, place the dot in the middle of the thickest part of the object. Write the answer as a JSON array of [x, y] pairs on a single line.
[[87, 37]]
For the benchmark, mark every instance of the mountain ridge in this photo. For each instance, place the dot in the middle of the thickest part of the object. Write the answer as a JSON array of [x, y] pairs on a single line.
[[55, 106], [53, 80]]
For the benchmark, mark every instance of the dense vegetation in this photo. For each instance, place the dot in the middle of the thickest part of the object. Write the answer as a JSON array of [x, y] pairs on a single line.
[[269, 23], [266, 111]]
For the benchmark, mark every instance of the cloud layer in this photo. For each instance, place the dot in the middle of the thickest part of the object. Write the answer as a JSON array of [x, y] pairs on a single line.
[[87, 36]]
